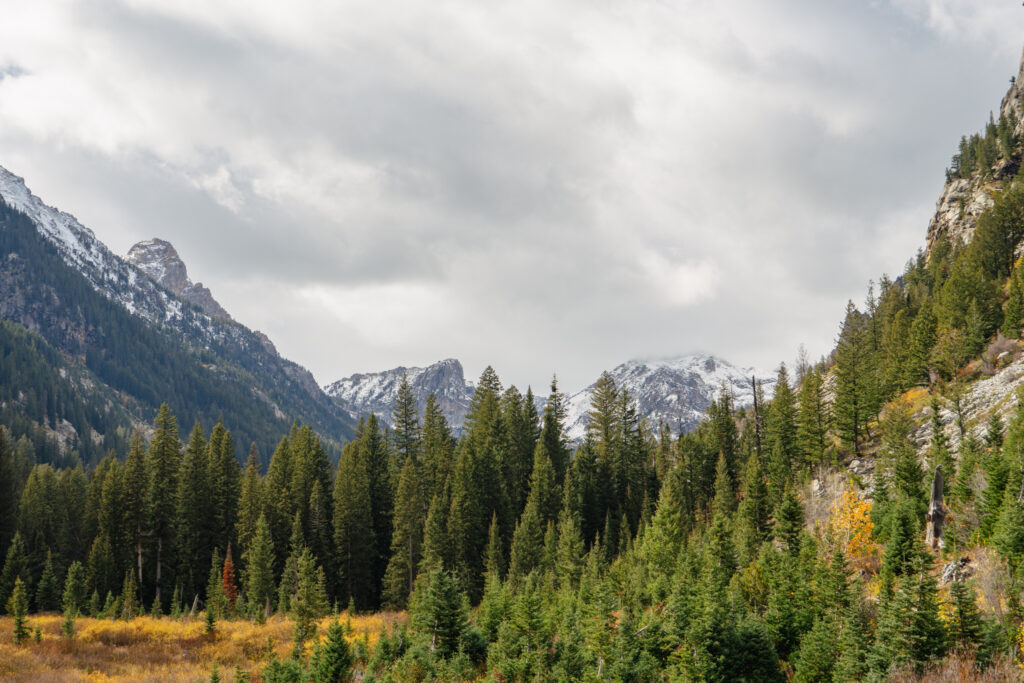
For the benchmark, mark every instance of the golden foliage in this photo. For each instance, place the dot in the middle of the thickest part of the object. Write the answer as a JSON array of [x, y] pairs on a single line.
[[851, 523]]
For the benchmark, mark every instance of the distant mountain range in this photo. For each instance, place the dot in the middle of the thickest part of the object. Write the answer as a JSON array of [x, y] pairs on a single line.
[[674, 391]]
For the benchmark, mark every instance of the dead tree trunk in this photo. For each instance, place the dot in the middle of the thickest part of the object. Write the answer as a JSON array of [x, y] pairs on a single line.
[[936, 512]]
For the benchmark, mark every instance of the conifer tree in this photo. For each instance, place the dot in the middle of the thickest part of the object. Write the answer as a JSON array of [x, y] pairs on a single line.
[[812, 419], [309, 602], [333, 660], [966, 625], [1013, 313], [48, 588], [407, 539], [250, 502], [258, 575], [405, 427], [789, 522], [15, 566], [216, 602], [134, 503], [130, 607], [527, 544], [194, 513], [277, 491], [442, 614], [552, 431], [163, 463], [17, 607], [781, 434], [494, 556], [75, 595], [851, 407], [354, 537], [854, 645], [436, 550], [437, 446]]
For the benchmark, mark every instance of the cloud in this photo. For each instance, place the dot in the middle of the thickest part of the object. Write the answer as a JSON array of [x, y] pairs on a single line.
[[541, 186]]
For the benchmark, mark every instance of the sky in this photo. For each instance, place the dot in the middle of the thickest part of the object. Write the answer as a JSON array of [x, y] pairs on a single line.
[[540, 186]]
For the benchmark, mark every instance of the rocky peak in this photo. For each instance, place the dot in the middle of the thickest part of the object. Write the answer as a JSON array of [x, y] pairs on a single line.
[[376, 392], [159, 260]]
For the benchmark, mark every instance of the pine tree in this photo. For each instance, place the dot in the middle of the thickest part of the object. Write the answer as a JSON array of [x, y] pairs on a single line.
[[405, 427], [310, 600], [527, 544], [494, 556], [131, 607], [216, 602], [48, 588], [163, 463], [815, 659], [442, 614], [258, 574], [17, 607], [250, 502], [853, 647], [333, 660], [75, 596], [966, 625], [789, 522], [15, 566], [194, 512], [407, 539], [134, 503], [437, 446], [812, 419], [781, 434], [354, 537], [552, 431], [851, 407]]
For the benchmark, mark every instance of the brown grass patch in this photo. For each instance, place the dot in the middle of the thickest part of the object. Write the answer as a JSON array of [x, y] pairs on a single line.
[[149, 649]]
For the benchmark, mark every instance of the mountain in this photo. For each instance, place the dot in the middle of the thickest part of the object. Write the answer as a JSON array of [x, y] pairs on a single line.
[[674, 391], [376, 392], [159, 260], [132, 328]]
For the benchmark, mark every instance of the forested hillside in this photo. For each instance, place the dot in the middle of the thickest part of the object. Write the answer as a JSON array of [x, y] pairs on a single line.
[[782, 542]]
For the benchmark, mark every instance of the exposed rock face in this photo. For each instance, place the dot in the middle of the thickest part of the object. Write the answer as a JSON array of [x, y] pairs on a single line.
[[673, 391], [159, 260], [376, 392], [963, 200]]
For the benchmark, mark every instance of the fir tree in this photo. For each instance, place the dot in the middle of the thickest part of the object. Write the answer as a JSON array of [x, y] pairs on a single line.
[[74, 597], [966, 625], [130, 604], [812, 419], [258, 574], [194, 512], [48, 588], [333, 660], [229, 585], [134, 510], [406, 427], [407, 539], [310, 600], [163, 464], [851, 407], [789, 522], [442, 614], [354, 536], [17, 607], [250, 502]]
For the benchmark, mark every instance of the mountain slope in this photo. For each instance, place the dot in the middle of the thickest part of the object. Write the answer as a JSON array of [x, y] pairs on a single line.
[[143, 341]]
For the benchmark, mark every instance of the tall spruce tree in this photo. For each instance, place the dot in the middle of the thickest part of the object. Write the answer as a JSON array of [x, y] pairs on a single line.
[[163, 462]]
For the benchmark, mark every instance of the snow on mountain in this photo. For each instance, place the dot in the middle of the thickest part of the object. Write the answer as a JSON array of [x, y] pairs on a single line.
[[149, 295], [676, 391], [376, 392]]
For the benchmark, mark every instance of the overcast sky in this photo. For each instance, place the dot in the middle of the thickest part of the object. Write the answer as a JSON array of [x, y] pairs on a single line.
[[539, 185]]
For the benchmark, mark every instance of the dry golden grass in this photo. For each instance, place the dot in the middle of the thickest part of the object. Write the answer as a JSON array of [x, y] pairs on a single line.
[[148, 649]]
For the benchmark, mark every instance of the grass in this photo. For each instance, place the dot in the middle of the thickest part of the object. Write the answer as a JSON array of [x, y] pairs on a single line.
[[149, 649]]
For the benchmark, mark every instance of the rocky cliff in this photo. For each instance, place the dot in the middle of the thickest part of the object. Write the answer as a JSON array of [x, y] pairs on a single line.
[[963, 200], [159, 260]]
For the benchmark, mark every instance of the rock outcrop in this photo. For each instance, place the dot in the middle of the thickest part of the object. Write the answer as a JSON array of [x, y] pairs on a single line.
[[159, 260], [963, 200]]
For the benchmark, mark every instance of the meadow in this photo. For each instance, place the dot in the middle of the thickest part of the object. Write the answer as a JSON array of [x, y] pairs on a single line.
[[162, 649]]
